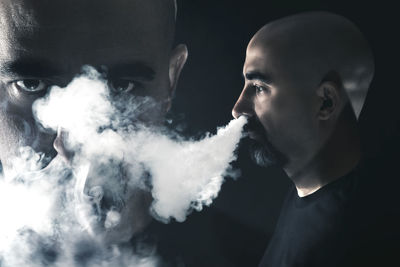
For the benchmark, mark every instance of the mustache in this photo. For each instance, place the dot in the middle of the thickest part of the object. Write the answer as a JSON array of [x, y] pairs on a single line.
[[253, 123], [262, 151], [254, 126], [106, 186]]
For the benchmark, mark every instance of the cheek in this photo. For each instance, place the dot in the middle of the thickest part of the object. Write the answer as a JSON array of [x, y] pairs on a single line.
[[135, 216], [157, 104], [16, 130], [286, 120], [161, 91], [150, 111], [270, 112], [17, 126], [14, 133]]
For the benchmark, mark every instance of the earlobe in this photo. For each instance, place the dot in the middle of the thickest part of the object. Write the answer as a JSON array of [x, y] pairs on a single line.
[[328, 100]]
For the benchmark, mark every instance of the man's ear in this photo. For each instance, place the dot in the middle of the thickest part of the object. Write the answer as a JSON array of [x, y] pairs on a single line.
[[177, 60], [328, 100]]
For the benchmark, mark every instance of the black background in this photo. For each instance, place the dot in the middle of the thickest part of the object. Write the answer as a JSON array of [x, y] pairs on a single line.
[[217, 32]]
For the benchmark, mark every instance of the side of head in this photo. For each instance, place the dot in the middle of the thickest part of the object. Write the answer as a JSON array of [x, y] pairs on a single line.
[[302, 72]]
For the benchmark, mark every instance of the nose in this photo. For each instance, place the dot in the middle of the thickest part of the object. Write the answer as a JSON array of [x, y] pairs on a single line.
[[244, 105], [59, 145]]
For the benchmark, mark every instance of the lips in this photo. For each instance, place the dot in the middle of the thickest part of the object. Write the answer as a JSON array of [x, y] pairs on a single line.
[[103, 201], [102, 214]]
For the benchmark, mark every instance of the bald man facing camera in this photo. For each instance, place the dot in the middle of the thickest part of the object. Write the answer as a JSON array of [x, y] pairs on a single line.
[[46, 43], [306, 79]]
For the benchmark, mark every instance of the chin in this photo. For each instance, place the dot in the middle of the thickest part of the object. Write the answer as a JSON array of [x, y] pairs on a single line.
[[263, 152], [115, 227], [262, 156], [121, 233], [131, 224]]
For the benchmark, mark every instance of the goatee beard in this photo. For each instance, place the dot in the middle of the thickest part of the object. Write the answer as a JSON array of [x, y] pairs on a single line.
[[262, 155], [262, 152]]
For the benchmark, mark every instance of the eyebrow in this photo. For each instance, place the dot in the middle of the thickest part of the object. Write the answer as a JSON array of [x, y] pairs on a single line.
[[134, 69], [30, 67], [256, 75]]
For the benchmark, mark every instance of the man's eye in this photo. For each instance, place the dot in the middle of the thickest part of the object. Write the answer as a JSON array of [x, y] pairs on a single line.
[[260, 89], [31, 85], [122, 86]]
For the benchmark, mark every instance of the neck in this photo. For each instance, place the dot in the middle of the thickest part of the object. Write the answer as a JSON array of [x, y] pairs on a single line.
[[338, 156]]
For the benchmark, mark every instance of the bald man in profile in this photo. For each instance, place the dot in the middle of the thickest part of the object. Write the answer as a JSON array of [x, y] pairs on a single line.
[[306, 79]]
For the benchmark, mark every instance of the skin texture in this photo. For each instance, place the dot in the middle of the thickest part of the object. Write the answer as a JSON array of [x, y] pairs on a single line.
[[46, 42], [306, 78]]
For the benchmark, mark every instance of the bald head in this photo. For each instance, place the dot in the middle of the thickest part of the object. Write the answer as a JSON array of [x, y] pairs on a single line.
[[47, 42], [112, 21], [305, 80], [318, 46]]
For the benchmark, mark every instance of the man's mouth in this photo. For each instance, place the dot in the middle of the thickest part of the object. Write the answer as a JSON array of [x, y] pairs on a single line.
[[103, 214], [104, 202]]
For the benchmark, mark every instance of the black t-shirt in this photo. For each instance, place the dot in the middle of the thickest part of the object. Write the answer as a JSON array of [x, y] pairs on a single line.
[[206, 239], [341, 224]]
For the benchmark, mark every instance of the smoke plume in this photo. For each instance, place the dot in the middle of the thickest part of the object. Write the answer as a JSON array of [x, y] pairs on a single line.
[[121, 167]]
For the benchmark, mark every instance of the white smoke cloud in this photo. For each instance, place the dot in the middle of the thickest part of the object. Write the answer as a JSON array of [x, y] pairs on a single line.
[[188, 174], [49, 215]]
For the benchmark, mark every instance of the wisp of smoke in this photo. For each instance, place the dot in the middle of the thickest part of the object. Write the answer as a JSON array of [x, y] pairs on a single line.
[[65, 213]]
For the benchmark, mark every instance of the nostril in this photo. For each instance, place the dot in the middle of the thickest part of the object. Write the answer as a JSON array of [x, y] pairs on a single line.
[[242, 108], [235, 114], [239, 109]]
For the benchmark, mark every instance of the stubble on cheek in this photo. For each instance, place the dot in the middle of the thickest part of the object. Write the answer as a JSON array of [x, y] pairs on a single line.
[[17, 133]]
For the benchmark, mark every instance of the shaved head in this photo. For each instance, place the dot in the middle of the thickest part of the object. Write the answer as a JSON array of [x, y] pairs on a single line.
[[306, 80], [45, 43], [118, 18], [319, 46]]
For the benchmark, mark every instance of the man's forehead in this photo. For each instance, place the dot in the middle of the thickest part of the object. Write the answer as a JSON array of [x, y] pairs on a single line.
[[270, 51], [257, 58], [78, 14], [99, 30]]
